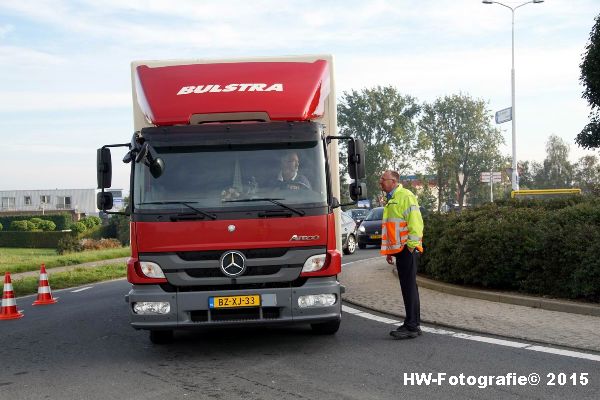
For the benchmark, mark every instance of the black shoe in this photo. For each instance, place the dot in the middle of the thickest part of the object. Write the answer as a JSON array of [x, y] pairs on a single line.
[[404, 333]]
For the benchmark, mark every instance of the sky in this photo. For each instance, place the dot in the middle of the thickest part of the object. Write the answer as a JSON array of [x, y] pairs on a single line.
[[65, 85]]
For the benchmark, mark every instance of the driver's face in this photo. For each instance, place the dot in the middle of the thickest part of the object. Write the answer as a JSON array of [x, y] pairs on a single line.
[[289, 165]]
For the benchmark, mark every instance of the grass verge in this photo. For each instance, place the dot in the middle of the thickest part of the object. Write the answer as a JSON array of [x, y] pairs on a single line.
[[22, 260], [67, 279]]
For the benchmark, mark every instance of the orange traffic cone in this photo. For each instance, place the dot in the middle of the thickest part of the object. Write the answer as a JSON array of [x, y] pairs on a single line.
[[44, 291], [9, 304]]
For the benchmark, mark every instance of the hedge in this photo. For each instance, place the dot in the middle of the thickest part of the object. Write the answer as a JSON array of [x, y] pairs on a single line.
[[31, 239], [543, 248], [62, 221]]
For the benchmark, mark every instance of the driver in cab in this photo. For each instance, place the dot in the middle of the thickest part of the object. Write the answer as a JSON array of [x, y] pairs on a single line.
[[289, 177]]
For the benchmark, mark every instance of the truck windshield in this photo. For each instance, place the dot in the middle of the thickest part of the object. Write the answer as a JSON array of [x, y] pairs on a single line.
[[221, 178]]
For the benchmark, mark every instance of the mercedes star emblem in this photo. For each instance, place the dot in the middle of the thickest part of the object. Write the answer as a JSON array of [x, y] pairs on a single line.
[[233, 263]]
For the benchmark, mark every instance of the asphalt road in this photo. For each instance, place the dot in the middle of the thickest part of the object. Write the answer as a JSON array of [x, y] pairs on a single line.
[[83, 348]]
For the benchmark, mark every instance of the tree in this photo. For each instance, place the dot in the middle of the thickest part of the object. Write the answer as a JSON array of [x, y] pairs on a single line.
[[589, 137], [556, 171], [463, 143], [385, 120], [587, 174]]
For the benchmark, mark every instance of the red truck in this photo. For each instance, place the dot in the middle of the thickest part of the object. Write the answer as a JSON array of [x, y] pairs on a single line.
[[234, 194]]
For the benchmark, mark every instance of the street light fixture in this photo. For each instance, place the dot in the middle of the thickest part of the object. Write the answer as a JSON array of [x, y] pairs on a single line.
[[515, 172]]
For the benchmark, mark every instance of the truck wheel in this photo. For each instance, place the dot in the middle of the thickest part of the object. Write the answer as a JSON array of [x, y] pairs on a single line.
[[362, 246], [350, 245], [161, 337], [326, 328]]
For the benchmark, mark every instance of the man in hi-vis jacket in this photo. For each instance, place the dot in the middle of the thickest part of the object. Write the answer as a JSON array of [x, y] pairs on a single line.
[[401, 237]]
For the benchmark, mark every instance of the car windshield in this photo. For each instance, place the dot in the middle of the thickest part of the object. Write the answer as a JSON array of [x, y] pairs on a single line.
[[376, 214], [249, 176], [357, 213]]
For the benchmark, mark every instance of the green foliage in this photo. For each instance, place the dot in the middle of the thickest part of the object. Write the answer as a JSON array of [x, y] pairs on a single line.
[[78, 227], [463, 143], [21, 226], [62, 221], [31, 239], [69, 244], [118, 227], [589, 137], [386, 121], [90, 222], [544, 248], [1, 227], [46, 226]]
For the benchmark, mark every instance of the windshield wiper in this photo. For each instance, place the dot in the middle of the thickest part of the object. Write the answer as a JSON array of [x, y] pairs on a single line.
[[198, 211], [274, 201]]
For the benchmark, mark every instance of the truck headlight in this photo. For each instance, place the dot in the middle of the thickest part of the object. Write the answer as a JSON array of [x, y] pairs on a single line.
[[151, 269], [316, 300], [151, 307], [314, 263]]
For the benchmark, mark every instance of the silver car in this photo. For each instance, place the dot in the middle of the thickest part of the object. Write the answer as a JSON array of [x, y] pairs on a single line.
[[348, 233]]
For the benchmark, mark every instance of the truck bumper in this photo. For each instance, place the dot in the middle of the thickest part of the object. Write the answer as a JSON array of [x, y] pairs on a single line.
[[189, 310]]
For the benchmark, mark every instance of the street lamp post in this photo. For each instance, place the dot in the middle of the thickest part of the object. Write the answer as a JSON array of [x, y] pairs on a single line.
[[515, 172]]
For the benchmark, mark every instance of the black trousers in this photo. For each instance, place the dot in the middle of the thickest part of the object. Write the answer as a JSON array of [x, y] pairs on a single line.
[[407, 264]]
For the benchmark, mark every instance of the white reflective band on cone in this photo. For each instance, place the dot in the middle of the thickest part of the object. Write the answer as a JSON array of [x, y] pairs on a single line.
[[8, 287], [43, 277], [9, 302], [44, 289]]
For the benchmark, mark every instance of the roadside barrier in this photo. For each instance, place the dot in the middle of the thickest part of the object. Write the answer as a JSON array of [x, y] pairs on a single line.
[[44, 292], [9, 304]]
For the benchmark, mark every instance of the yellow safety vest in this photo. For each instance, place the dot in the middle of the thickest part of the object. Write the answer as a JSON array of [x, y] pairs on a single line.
[[402, 223]]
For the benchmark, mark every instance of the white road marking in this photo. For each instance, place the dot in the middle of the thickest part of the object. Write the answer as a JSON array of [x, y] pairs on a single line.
[[479, 338], [82, 289]]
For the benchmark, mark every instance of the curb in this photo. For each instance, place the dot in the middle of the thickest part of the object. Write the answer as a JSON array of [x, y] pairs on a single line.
[[518, 300], [471, 330]]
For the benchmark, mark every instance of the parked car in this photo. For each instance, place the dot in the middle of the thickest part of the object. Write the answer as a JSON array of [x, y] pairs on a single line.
[[369, 231], [358, 214], [348, 233]]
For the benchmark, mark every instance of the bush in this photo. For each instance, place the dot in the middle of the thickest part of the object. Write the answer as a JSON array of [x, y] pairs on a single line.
[[46, 226], [21, 226], [1, 227], [92, 244], [31, 239], [62, 221], [69, 244], [78, 227], [544, 248], [36, 222]]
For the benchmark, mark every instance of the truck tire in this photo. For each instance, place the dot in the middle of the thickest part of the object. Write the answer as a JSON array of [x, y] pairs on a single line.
[[161, 337], [326, 328]]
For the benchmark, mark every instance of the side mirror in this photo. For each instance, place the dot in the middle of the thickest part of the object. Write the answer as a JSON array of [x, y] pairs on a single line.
[[104, 201], [103, 168], [356, 159], [156, 165], [358, 191]]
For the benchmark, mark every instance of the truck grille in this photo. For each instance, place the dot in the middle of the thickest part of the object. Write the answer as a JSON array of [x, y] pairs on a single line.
[[236, 314], [217, 273], [216, 254]]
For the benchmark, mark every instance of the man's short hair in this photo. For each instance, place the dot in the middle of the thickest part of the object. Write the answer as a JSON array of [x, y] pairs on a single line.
[[395, 175]]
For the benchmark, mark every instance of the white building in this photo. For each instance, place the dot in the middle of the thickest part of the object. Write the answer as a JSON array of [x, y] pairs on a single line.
[[82, 201]]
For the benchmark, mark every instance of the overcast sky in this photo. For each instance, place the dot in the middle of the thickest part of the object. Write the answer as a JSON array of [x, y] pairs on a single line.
[[65, 78]]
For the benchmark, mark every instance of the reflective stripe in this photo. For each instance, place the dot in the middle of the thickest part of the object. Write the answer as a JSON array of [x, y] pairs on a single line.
[[415, 238], [8, 287], [43, 289], [409, 209], [43, 277], [9, 302]]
